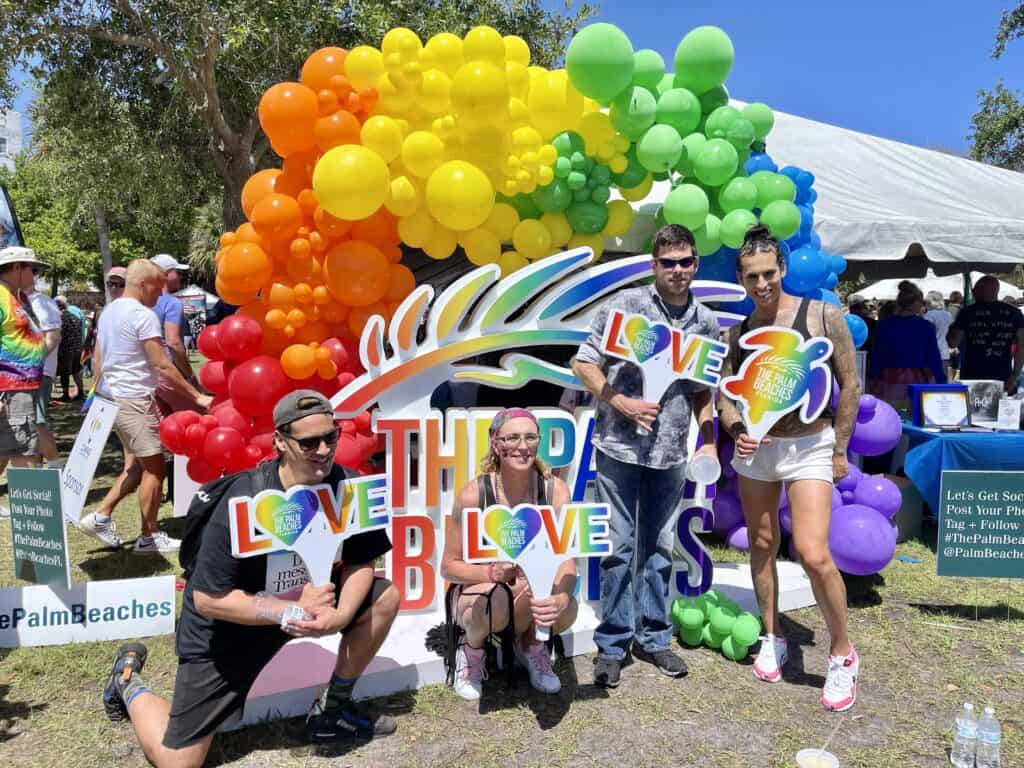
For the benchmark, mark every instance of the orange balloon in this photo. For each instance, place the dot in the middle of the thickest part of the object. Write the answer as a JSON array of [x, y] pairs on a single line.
[[288, 112], [244, 270], [233, 295], [308, 203], [247, 234], [340, 127], [228, 238], [258, 186], [296, 318], [393, 253], [275, 319], [300, 269], [356, 273], [402, 283], [276, 217], [298, 361], [274, 342], [297, 174], [327, 101], [334, 314], [358, 316], [279, 296], [253, 309], [313, 332], [299, 248], [380, 229], [329, 225], [321, 66], [303, 293], [321, 296]]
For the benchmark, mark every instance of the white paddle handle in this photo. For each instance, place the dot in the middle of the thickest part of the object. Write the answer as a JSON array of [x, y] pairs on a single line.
[[543, 633]]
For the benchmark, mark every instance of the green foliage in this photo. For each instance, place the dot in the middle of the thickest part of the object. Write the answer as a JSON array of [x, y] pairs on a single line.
[[997, 128]]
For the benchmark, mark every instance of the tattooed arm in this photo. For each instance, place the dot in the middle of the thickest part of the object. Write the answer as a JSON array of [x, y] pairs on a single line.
[[729, 417], [844, 363]]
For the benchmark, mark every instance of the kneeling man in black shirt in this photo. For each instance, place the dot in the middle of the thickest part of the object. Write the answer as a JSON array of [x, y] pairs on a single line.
[[228, 631]]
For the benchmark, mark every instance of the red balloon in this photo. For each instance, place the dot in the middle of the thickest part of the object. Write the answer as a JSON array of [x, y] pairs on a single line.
[[339, 353], [172, 434], [344, 379], [220, 403], [214, 376], [221, 446], [200, 471], [366, 468], [262, 424], [239, 337], [257, 384], [209, 421], [364, 423], [209, 346], [367, 445], [264, 442], [348, 427], [247, 459], [228, 416], [352, 349], [195, 436], [347, 454]]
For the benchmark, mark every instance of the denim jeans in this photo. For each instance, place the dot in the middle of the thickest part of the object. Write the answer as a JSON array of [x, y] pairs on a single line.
[[643, 503]]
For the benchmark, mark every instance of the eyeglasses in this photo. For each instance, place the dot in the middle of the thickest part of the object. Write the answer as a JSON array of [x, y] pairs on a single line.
[[510, 441], [114, 284], [311, 444], [686, 262]]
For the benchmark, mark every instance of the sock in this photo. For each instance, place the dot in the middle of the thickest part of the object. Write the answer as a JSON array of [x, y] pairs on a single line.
[[338, 693], [132, 688], [101, 518]]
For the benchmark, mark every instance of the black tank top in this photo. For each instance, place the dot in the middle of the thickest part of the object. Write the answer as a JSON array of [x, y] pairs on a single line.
[[488, 497]]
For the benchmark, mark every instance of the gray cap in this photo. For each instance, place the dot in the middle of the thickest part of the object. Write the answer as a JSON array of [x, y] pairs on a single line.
[[300, 404]]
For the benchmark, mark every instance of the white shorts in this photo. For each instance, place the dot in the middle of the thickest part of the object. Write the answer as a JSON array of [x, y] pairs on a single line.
[[791, 458]]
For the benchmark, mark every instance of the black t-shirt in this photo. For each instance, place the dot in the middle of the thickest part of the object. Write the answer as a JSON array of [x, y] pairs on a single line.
[[990, 331], [215, 571]]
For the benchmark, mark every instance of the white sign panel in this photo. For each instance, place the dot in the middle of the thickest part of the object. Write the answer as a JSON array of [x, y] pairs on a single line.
[[76, 477], [97, 610]]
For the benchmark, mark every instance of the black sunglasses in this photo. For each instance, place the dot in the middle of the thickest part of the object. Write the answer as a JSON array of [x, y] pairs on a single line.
[[686, 262], [310, 444], [114, 284]]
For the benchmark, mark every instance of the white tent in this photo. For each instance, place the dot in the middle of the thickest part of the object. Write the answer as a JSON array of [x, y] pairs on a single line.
[[885, 290], [193, 290], [880, 200]]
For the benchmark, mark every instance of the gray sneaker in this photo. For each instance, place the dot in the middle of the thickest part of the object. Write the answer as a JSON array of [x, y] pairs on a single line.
[[157, 544], [100, 529]]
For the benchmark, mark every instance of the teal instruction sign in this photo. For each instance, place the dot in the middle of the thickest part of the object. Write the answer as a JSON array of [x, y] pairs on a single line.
[[37, 527], [981, 524]]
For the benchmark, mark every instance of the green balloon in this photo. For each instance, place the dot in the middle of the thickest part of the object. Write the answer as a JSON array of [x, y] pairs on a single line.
[[567, 143], [677, 609], [634, 173], [687, 206], [762, 118], [713, 596], [704, 58], [667, 82], [578, 160], [740, 193], [782, 217], [563, 167], [740, 134], [660, 148], [746, 629], [601, 175], [716, 163], [692, 146], [648, 68], [587, 217], [659, 221], [719, 122], [679, 108], [691, 619], [710, 638], [775, 187], [599, 61], [576, 180], [714, 98], [633, 111], [554, 197], [733, 650], [708, 238], [692, 637], [600, 194], [524, 205], [762, 179], [735, 226], [661, 176], [581, 194], [722, 619]]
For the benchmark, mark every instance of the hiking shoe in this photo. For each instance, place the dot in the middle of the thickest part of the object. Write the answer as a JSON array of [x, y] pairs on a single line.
[[841, 682], [470, 672], [156, 544], [100, 529], [606, 671], [771, 659], [130, 658], [349, 721], [537, 661], [666, 661]]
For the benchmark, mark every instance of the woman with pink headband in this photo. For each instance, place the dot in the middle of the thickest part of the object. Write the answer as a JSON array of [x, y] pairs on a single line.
[[495, 598]]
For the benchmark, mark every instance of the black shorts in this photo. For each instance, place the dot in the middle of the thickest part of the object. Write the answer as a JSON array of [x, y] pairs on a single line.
[[209, 694]]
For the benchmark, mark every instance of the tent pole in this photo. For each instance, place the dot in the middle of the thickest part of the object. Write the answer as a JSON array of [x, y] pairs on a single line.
[[968, 296]]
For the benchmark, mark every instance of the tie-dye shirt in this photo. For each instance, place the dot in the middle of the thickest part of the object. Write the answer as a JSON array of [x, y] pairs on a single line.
[[22, 349]]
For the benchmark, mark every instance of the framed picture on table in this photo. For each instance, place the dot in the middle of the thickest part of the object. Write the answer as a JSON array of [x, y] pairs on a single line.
[[944, 408]]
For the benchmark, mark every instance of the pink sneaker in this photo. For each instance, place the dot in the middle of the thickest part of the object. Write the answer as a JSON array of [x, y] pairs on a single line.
[[771, 658], [841, 682]]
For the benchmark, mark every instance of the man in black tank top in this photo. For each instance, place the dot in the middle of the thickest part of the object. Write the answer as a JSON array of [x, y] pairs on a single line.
[[807, 458]]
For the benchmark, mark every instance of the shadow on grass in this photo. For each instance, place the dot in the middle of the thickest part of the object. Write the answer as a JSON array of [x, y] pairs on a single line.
[[798, 636], [122, 564], [998, 612], [862, 591], [12, 712]]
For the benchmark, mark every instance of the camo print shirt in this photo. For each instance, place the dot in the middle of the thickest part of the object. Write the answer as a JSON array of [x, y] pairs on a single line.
[[614, 434]]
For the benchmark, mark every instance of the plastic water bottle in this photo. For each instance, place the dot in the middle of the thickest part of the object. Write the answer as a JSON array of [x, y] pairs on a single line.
[[703, 470], [989, 737], [965, 738]]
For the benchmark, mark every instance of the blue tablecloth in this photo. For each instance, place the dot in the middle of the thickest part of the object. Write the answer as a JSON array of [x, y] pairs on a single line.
[[929, 453]]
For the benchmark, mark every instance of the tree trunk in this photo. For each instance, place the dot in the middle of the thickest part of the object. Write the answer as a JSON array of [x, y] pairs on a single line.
[[236, 171], [103, 233]]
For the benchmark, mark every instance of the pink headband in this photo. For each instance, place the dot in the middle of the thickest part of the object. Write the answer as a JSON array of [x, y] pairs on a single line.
[[506, 415]]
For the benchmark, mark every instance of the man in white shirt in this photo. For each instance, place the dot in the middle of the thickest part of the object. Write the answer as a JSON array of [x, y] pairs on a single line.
[[48, 314], [131, 359]]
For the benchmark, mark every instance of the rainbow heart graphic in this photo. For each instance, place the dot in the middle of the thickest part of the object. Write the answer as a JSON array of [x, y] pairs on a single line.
[[646, 340], [512, 532], [285, 516]]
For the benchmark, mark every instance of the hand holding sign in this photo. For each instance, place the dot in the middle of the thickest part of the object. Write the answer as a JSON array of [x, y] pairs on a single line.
[[537, 539]]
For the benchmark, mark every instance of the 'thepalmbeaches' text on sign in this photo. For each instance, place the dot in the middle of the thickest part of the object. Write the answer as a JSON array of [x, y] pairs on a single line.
[[981, 524]]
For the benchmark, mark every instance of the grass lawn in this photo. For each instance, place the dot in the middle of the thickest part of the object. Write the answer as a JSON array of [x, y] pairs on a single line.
[[927, 644]]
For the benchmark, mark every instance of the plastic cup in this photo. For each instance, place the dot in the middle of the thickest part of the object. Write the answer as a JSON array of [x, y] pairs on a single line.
[[703, 470], [816, 758]]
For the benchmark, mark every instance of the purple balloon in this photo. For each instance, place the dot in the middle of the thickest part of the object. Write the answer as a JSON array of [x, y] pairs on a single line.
[[786, 520], [853, 477], [847, 497], [878, 428], [862, 540], [730, 486], [791, 550], [728, 512], [726, 449], [879, 493], [837, 498], [783, 497], [739, 538]]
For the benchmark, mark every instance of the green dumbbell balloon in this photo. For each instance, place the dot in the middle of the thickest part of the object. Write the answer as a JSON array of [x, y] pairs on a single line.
[[746, 629], [733, 650], [692, 637]]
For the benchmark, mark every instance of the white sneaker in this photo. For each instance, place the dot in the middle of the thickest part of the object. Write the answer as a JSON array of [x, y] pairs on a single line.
[[469, 672], [537, 662], [100, 529], [156, 544], [841, 682], [771, 658]]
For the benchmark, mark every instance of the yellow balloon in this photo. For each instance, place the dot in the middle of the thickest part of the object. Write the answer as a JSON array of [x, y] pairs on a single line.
[[545, 175], [422, 152], [484, 44], [435, 93], [547, 154], [459, 195], [481, 246], [383, 135], [518, 113], [441, 244], [401, 42], [594, 242], [351, 182], [518, 79], [526, 139], [532, 239], [640, 191], [417, 229], [480, 92], [620, 219], [403, 197], [503, 221], [444, 51], [618, 163], [558, 226], [510, 261], [391, 99], [364, 66], [516, 50], [554, 104]]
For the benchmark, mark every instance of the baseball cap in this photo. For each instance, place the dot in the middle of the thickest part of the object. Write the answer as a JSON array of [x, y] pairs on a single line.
[[120, 272], [300, 404], [165, 261]]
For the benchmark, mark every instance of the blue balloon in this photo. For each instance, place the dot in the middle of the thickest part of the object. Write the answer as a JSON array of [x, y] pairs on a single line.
[[805, 270], [791, 171], [830, 281], [814, 239], [744, 307], [803, 196], [785, 250], [804, 179], [858, 329], [796, 241], [813, 197], [823, 294], [760, 161], [838, 264], [717, 267], [806, 218]]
